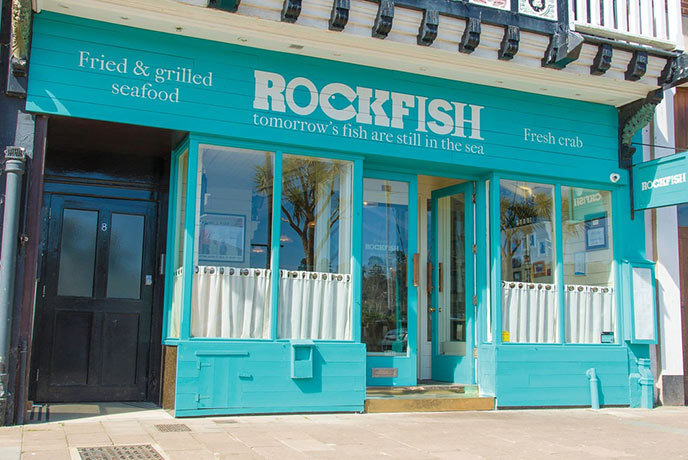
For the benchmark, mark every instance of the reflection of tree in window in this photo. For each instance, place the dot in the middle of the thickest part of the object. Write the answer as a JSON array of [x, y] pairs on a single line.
[[310, 197], [524, 213]]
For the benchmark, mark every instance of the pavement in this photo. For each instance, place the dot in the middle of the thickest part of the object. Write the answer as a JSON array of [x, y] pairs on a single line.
[[660, 433]]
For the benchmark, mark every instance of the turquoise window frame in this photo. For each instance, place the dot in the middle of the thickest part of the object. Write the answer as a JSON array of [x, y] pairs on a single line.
[[192, 144], [496, 269], [629, 313], [171, 238], [482, 288]]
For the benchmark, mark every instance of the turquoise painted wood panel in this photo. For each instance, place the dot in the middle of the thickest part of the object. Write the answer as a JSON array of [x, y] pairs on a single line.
[[103, 71], [256, 377], [487, 369], [551, 376]]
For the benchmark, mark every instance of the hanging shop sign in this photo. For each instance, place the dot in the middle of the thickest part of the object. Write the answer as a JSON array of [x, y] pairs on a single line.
[[103, 71], [661, 182]]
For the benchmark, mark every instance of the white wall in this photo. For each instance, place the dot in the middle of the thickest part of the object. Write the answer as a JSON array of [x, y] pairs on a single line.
[[668, 355]]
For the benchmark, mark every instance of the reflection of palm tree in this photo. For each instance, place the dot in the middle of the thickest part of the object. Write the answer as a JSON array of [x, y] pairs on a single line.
[[308, 186], [517, 216]]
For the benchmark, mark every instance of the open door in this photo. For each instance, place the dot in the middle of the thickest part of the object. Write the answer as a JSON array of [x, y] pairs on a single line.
[[453, 288]]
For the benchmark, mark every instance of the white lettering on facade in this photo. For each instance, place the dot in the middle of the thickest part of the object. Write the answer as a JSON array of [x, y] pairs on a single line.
[[141, 70], [374, 106]]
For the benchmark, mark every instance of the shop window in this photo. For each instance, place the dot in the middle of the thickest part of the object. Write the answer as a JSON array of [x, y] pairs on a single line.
[[181, 174], [529, 294], [589, 297], [315, 295], [232, 251]]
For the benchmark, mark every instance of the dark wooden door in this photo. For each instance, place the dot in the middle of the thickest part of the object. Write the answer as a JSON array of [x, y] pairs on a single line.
[[94, 314], [683, 270]]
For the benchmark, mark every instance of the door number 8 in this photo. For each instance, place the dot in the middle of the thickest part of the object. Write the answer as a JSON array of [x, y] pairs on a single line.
[[103, 227]]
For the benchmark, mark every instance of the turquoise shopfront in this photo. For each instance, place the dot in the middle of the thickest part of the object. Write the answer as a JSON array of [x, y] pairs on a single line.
[[333, 227]]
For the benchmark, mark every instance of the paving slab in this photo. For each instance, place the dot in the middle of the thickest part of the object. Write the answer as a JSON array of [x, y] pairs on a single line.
[[514, 434]]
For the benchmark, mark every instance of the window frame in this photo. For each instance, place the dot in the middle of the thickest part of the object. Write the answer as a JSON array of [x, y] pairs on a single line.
[[193, 144], [496, 268]]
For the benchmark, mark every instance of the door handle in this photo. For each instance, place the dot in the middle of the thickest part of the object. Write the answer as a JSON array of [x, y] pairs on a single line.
[[416, 269], [429, 277], [440, 275], [432, 309]]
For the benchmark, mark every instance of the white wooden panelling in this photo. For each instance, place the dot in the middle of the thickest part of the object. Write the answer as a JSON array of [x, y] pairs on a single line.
[[594, 13], [622, 14], [608, 13], [582, 11], [649, 22], [646, 28], [660, 17], [257, 25]]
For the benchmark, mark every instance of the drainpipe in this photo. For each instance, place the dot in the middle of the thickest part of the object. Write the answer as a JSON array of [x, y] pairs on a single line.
[[594, 392], [14, 169]]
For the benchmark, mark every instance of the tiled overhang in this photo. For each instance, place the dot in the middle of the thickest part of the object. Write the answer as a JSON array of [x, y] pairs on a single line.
[[630, 74]]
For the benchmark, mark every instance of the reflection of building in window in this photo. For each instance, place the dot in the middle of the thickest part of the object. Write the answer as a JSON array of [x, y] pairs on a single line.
[[384, 269]]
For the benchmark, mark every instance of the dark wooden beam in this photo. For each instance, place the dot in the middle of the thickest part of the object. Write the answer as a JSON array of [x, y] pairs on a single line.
[[383, 21], [603, 59], [510, 43], [471, 36], [564, 47], [340, 15], [637, 67], [291, 9], [427, 33]]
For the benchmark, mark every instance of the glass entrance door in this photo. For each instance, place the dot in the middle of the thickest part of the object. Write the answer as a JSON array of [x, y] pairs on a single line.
[[388, 326], [453, 288]]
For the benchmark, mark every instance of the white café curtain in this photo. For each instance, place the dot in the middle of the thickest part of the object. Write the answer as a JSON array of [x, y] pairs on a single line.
[[590, 310], [230, 302], [314, 305], [176, 313], [529, 312]]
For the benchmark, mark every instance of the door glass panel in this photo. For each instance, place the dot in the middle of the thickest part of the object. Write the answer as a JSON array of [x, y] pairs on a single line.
[[451, 266], [175, 313], [126, 252], [77, 253], [385, 256]]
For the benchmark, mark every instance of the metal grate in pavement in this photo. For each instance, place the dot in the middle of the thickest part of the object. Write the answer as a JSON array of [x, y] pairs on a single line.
[[140, 452], [172, 428]]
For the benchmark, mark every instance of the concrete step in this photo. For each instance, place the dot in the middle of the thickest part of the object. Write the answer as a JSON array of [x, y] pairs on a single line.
[[426, 398]]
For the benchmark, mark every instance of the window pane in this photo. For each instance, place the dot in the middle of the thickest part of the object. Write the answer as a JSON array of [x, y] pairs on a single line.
[[315, 256], [529, 297], [384, 264], [231, 287], [178, 250], [588, 265], [77, 253], [488, 265], [451, 270], [125, 256]]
